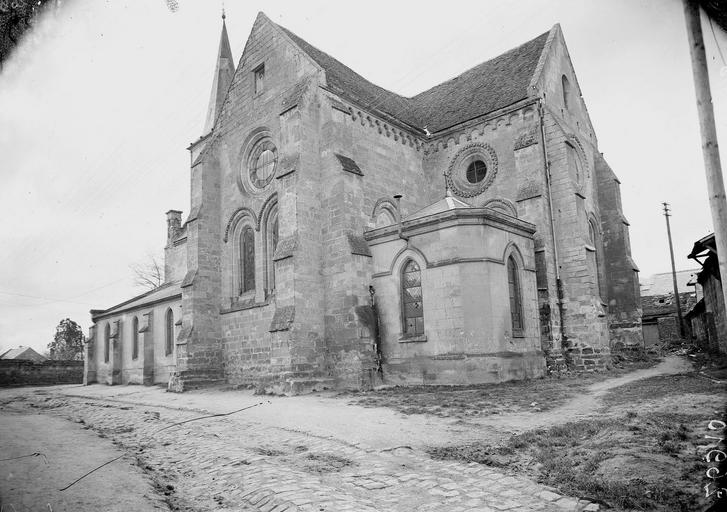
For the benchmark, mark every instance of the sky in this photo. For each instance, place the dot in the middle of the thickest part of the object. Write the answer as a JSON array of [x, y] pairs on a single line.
[[101, 99]]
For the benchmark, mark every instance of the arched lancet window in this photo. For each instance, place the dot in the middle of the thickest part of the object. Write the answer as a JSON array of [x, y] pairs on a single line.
[[247, 260], [271, 242], [135, 338], [107, 343], [574, 161], [566, 91], [593, 238], [412, 304], [516, 307], [169, 332], [384, 218]]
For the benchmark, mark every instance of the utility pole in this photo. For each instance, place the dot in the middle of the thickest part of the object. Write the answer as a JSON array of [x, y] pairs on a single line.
[[710, 149], [677, 302]]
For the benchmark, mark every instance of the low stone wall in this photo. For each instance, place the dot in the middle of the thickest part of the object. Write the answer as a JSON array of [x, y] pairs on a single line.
[[29, 373]]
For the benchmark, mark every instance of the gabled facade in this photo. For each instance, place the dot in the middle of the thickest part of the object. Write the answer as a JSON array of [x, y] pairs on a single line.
[[311, 176]]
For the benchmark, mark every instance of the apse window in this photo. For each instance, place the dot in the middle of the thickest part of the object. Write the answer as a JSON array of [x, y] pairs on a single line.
[[412, 304], [259, 76], [476, 171]]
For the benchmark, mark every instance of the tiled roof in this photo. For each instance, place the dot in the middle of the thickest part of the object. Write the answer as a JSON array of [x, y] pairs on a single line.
[[492, 85], [349, 84], [663, 284]]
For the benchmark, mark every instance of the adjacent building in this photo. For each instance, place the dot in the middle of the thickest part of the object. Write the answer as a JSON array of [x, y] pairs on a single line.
[[707, 318]]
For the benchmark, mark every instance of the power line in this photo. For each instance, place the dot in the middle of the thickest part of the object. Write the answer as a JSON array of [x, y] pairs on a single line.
[[716, 43], [43, 298]]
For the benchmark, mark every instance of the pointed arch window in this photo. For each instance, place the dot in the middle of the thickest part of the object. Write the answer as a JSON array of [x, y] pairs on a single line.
[[516, 307], [247, 260], [169, 332], [566, 91], [107, 343], [412, 299], [271, 243], [574, 162], [593, 239], [135, 338]]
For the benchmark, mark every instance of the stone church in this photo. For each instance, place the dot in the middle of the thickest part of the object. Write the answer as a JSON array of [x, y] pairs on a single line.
[[341, 235]]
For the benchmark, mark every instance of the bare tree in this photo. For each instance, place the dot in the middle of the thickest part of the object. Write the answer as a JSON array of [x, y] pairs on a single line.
[[148, 274]]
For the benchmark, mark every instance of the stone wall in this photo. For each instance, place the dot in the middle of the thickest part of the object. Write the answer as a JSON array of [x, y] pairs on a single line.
[[468, 335], [46, 373], [571, 147], [151, 365], [384, 160], [272, 335], [624, 297]]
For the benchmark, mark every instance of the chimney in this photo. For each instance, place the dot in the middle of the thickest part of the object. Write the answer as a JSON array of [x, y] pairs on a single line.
[[174, 224]]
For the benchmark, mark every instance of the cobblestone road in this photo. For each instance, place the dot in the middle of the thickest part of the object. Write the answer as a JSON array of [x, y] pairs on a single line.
[[239, 462]]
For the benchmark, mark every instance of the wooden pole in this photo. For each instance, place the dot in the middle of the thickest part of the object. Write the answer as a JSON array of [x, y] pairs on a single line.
[[710, 149], [677, 302]]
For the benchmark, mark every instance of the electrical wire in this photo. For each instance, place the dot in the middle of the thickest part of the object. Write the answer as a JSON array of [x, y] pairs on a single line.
[[719, 49], [156, 432]]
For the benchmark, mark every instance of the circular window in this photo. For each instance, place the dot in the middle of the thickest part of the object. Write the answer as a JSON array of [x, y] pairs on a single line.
[[263, 168], [476, 171], [472, 170], [261, 164]]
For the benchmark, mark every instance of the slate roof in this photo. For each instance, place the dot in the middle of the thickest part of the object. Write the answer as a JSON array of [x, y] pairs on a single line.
[[164, 292], [492, 85]]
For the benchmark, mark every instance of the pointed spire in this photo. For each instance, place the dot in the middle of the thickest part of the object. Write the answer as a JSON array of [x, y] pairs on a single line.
[[224, 71]]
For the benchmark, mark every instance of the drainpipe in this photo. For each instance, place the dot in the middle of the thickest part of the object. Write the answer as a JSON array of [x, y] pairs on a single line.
[[397, 198], [558, 282], [377, 337]]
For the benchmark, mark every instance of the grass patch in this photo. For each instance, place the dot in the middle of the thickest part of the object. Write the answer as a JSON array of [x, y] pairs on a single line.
[[661, 387], [636, 461], [477, 400], [480, 400], [268, 452], [325, 462]]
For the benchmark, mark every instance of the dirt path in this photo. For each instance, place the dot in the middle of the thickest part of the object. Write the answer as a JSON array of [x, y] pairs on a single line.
[[33, 483], [582, 406]]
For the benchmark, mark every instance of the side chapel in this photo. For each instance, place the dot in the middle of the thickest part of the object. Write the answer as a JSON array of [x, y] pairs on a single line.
[[341, 235]]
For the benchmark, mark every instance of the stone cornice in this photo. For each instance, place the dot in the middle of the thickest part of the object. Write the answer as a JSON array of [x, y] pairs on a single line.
[[385, 125], [451, 218], [491, 120]]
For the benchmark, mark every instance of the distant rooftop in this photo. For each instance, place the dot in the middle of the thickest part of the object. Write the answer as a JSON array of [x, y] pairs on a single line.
[[661, 284], [22, 353]]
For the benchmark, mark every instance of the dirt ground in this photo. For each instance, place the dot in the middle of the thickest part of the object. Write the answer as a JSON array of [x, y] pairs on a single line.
[[367, 452], [122, 486]]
